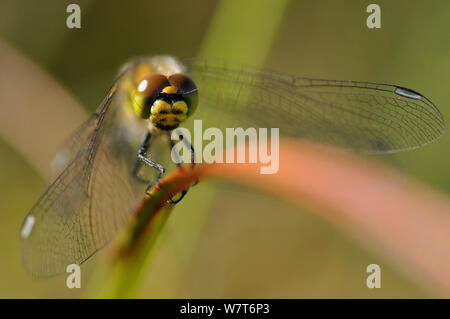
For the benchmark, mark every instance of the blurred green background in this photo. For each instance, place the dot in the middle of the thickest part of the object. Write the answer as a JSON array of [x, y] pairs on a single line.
[[226, 240]]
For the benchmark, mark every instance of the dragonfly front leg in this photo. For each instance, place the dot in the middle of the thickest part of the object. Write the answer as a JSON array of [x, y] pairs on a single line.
[[142, 159], [178, 163]]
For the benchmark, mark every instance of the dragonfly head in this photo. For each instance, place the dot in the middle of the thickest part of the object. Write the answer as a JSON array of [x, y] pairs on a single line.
[[165, 100]]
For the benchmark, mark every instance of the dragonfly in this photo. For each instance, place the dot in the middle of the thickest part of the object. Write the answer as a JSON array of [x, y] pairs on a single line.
[[100, 166]]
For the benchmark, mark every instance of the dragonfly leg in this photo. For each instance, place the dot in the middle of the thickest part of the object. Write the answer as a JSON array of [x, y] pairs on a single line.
[[142, 159], [188, 145]]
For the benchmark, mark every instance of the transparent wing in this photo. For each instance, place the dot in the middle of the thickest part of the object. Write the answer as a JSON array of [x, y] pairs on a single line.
[[88, 202], [362, 116], [67, 153]]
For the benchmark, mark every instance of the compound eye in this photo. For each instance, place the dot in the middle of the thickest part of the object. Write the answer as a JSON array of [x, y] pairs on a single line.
[[183, 83], [152, 85], [148, 89], [187, 88]]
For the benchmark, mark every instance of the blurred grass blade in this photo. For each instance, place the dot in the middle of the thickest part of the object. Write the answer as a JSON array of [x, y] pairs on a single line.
[[389, 213], [243, 31], [33, 107]]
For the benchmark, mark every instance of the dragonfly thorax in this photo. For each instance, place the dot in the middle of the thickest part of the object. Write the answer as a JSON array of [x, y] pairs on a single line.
[[165, 100]]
